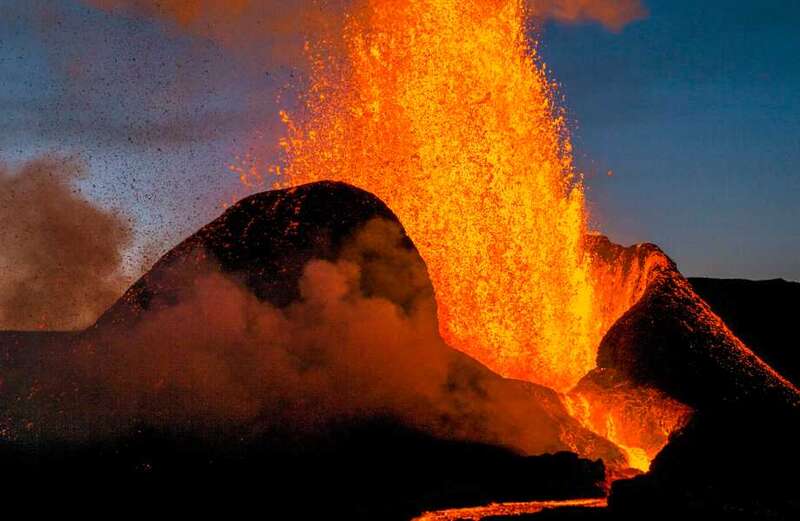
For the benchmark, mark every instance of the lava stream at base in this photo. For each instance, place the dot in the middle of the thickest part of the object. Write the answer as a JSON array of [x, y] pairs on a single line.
[[509, 509]]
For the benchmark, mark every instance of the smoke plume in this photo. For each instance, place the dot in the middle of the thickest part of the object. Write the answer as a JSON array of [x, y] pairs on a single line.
[[60, 256], [272, 31], [613, 14]]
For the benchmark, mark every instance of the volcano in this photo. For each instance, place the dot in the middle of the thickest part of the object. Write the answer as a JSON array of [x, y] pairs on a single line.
[[206, 371], [298, 332]]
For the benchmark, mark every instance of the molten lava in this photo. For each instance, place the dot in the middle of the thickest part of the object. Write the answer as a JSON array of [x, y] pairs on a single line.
[[509, 509], [637, 418], [443, 109]]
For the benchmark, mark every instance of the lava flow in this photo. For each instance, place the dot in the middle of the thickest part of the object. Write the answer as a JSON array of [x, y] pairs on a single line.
[[443, 109], [509, 509]]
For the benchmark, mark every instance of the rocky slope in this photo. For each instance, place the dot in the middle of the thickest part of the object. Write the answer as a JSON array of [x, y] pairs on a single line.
[[731, 459]]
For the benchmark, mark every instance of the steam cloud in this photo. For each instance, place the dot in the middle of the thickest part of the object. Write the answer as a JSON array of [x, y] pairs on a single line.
[[362, 341], [221, 355], [59, 255]]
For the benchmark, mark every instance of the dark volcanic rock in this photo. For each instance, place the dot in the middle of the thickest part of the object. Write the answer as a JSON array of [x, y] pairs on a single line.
[[264, 240], [374, 470], [762, 313], [720, 466], [672, 340], [736, 458]]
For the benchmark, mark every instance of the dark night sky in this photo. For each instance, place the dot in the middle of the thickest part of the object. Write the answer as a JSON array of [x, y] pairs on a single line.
[[695, 109]]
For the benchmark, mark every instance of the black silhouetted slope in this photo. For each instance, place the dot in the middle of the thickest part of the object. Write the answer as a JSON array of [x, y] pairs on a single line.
[[375, 470], [720, 466], [763, 314]]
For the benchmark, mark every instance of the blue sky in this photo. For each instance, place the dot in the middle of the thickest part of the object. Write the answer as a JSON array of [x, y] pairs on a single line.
[[695, 110]]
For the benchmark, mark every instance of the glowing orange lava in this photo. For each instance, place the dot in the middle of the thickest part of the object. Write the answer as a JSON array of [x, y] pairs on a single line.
[[443, 109], [509, 509], [637, 419]]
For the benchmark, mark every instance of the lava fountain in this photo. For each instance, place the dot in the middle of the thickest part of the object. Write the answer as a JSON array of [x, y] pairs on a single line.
[[443, 109]]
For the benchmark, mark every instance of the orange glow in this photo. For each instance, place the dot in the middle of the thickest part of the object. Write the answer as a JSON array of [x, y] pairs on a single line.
[[443, 109], [637, 419], [509, 509]]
